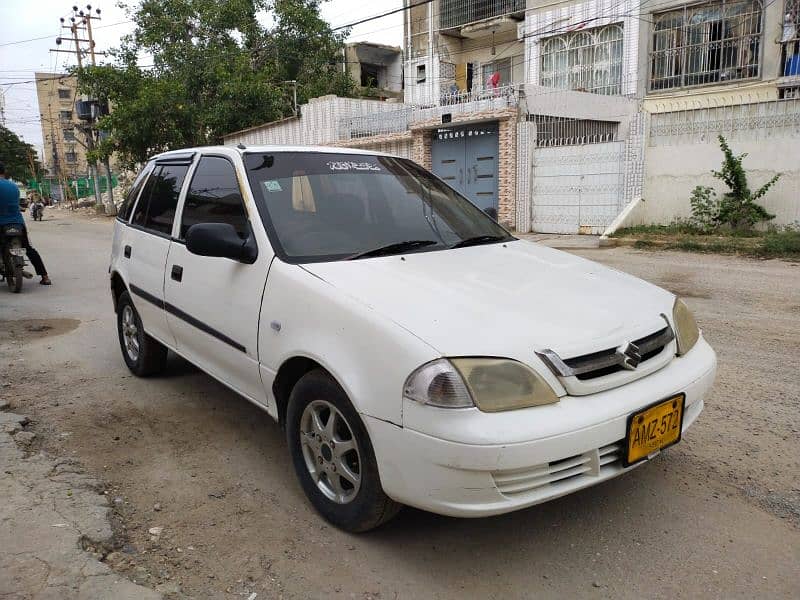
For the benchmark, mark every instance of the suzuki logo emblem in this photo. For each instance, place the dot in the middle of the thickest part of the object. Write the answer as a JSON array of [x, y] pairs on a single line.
[[630, 357]]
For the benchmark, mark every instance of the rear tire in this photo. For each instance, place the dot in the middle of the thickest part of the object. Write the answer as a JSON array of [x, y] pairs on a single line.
[[144, 355], [13, 273], [350, 497]]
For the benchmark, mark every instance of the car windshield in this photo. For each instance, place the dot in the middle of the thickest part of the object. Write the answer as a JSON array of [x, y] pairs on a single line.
[[327, 206]]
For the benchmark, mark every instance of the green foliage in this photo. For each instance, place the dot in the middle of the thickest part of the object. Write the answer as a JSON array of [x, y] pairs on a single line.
[[216, 69], [781, 243], [14, 155], [737, 208], [705, 208]]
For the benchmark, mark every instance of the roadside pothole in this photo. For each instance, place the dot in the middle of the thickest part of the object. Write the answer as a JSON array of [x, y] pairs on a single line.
[[33, 329]]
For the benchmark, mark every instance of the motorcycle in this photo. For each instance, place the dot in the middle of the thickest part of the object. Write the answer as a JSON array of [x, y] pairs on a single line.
[[13, 255], [37, 210]]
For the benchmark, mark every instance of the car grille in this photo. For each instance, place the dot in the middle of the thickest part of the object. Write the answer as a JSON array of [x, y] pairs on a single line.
[[606, 362], [540, 479]]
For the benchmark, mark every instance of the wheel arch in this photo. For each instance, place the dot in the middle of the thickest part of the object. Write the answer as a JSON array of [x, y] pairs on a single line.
[[117, 288], [288, 374]]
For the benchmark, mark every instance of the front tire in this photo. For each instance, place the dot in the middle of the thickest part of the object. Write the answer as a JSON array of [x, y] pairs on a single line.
[[143, 354], [333, 456]]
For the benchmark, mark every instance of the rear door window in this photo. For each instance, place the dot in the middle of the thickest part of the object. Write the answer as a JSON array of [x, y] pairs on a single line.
[[126, 209], [214, 197]]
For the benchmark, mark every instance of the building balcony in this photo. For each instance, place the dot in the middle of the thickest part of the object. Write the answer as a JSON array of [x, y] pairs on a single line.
[[459, 17]]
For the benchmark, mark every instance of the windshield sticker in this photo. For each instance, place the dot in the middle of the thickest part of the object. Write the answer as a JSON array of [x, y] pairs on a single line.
[[272, 186], [349, 165]]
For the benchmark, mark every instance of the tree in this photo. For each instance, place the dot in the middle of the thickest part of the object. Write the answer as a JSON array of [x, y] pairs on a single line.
[[14, 154], [215, 69]]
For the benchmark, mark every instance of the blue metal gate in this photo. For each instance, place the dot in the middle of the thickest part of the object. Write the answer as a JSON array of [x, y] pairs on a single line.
[[466, 158]]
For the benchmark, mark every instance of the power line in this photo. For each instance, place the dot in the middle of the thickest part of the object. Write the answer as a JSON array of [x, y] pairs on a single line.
[[46, 37], [380, 16]]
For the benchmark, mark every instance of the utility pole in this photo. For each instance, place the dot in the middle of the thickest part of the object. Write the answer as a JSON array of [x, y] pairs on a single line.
[[32, 165], [87, 18], [82, 22], [54, 153]]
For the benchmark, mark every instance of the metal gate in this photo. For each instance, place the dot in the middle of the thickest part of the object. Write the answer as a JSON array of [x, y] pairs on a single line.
[[466, 158], [577, 189]]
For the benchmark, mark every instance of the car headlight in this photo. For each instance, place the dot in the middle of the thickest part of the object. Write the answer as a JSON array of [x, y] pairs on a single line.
[[686, 331], [490, 384]]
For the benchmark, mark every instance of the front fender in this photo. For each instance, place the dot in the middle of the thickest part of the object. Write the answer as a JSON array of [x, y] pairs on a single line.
[[369, 355]]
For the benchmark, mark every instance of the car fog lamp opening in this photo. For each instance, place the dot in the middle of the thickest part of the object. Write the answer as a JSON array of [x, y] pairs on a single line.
[[498, 384], [438, 384], [686, 331]]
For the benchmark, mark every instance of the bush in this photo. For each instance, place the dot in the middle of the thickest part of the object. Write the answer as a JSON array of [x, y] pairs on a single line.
[[785, 243], [737, 208], [705, 209]]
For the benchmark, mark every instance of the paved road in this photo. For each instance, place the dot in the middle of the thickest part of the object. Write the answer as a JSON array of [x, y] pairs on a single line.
[[716, 516]]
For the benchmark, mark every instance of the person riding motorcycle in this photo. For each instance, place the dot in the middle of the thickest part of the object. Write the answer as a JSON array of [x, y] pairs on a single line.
[[37, 206], [10, 214]]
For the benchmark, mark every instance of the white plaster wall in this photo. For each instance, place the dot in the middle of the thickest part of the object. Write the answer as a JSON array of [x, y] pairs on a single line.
[[422, 93], [672, 172]]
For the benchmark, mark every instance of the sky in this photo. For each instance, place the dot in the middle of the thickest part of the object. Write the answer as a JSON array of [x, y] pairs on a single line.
[[25, 19]]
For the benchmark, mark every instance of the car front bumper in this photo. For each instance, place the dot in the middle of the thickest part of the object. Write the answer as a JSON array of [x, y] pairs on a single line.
[[471, 464]]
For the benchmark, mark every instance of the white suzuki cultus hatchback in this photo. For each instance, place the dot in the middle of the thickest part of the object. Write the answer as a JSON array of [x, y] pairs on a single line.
[[414, 351]]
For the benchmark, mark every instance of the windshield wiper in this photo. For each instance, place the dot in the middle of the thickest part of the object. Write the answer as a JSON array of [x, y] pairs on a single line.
[[395, 248], [481, 239]]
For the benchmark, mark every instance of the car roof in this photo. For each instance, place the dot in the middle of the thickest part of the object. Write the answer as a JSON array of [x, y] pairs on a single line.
[[242, 149]]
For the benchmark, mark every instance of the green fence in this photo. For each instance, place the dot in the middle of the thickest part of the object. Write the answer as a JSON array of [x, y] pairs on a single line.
[[83, 185]]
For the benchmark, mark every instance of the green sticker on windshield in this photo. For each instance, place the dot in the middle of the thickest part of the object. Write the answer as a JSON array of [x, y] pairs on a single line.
[[272, 185]]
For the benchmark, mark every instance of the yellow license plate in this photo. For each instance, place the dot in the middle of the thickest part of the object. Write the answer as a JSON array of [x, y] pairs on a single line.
[[654, 428]]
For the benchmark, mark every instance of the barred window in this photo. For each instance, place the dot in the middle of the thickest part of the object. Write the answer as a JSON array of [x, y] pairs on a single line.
[[706, 43], [586, 61], [790, 39]]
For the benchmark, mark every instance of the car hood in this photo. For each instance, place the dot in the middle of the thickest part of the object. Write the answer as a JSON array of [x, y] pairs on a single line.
[[503, 299]]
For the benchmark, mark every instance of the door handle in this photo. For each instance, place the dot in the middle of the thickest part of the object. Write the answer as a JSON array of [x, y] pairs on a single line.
[[127, 251], [461, 177], [177, 272], [468, 180]]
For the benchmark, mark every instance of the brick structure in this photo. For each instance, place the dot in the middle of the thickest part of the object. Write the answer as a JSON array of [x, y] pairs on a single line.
[[421, 147]]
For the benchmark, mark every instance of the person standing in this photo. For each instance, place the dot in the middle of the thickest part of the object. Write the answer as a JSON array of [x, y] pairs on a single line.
[[10, 214]]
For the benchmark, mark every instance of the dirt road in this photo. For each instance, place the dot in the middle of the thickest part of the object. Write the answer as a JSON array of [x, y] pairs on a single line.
[[716, 516]]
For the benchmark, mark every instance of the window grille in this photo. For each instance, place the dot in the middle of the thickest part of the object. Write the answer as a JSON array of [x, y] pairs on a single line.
[[585, 61], [790, 39], [64, 94], [71, 157], [456, 13], [69, 135], [563, 131], [706, 43]]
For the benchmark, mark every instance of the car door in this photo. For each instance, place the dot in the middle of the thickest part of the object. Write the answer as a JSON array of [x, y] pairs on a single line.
[[121, 251], [147, 245], [213, 303]]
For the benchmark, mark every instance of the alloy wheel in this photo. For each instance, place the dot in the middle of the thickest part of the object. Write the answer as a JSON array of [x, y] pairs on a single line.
[[130, 333], [330, 451]]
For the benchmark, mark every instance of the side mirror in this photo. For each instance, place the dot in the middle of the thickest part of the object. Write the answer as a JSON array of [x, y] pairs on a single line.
[[220, 240]]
